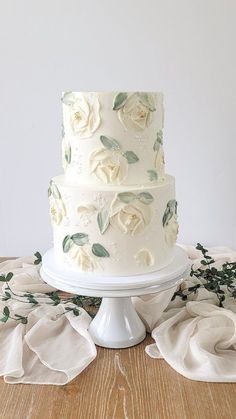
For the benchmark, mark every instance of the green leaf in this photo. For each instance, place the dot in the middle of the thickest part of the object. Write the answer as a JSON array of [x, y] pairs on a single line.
[[4, 319], [24, 320], [152, 174], [103, 220], [6, 311], [55, 191], [62, 130], [131, 157], [7, 294], [68, 98], [120, 100], [38, 258], [168, 214], [109, 143], [76, 312], [100, 251], [156, 146], [9, 276], [147, 100], [145, 197], [68, 154], [159, 141], [172, 204], [126, 197], [80, 239], [66, 244]]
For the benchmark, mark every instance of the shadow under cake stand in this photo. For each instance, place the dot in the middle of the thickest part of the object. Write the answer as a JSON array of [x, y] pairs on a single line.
[[116, 324]]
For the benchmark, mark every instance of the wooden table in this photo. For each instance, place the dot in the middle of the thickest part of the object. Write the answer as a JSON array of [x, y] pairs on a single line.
[[123, 383]]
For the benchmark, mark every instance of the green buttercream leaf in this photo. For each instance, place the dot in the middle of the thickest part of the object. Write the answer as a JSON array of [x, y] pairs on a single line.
[[80, 239], [131, 157], [68, 98], [103, 220], [159, 141], [145, 197], [100, 251], [147, 100], [171, 209], [126, 197], [152, 174], [172, 204], [68, 153], [110, 143], [67, 243], [55, 191], [120, 100]]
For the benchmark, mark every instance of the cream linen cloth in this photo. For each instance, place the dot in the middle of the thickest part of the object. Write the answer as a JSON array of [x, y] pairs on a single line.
[[53, 348], [197, 338]]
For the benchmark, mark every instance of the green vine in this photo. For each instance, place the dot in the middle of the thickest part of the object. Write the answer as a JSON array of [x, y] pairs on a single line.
[[219, 281], [90, 304]]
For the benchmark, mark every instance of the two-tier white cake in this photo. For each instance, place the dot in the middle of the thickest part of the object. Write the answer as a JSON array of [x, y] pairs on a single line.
[[114, 210]]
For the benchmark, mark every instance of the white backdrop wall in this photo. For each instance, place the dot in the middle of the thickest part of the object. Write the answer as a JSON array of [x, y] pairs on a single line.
[[186, 48]]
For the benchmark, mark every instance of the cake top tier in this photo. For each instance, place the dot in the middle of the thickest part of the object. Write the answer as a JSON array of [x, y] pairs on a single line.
[[113, 137]]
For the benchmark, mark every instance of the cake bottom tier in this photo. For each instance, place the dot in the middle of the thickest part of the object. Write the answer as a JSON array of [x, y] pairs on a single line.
[[113, 231]]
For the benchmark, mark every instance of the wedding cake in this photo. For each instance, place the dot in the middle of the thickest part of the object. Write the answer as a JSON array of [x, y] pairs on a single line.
[[113, 211]]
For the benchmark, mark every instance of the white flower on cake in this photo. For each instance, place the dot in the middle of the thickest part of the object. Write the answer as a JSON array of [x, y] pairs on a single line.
[[170, 223], [131, 213], [109, 166], [82, 253], [144, 258], [57, 206], [134, 110], [84, 113], [83, 258]]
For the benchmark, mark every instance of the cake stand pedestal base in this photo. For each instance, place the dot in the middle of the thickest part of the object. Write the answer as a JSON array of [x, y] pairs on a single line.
[[116, 324]]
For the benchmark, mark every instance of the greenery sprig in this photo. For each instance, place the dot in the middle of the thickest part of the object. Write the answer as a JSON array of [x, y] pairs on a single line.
[[220, 281], [90, 304]]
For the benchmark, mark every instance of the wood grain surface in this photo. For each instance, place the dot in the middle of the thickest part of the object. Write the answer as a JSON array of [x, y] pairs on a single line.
[[123, 383]]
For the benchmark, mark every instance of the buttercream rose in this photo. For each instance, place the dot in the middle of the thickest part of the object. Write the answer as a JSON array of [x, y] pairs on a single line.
[[82, 258], [130, 218], [136, 113], [109, 166], [160, 163], [171, 230], [57, 210], [85, 115], [144, 258]]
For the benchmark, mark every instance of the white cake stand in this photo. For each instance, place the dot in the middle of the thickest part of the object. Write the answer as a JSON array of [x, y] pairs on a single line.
[[116, 325]]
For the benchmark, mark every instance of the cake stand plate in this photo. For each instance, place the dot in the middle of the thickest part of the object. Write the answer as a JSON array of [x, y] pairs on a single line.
[[117, 324]]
